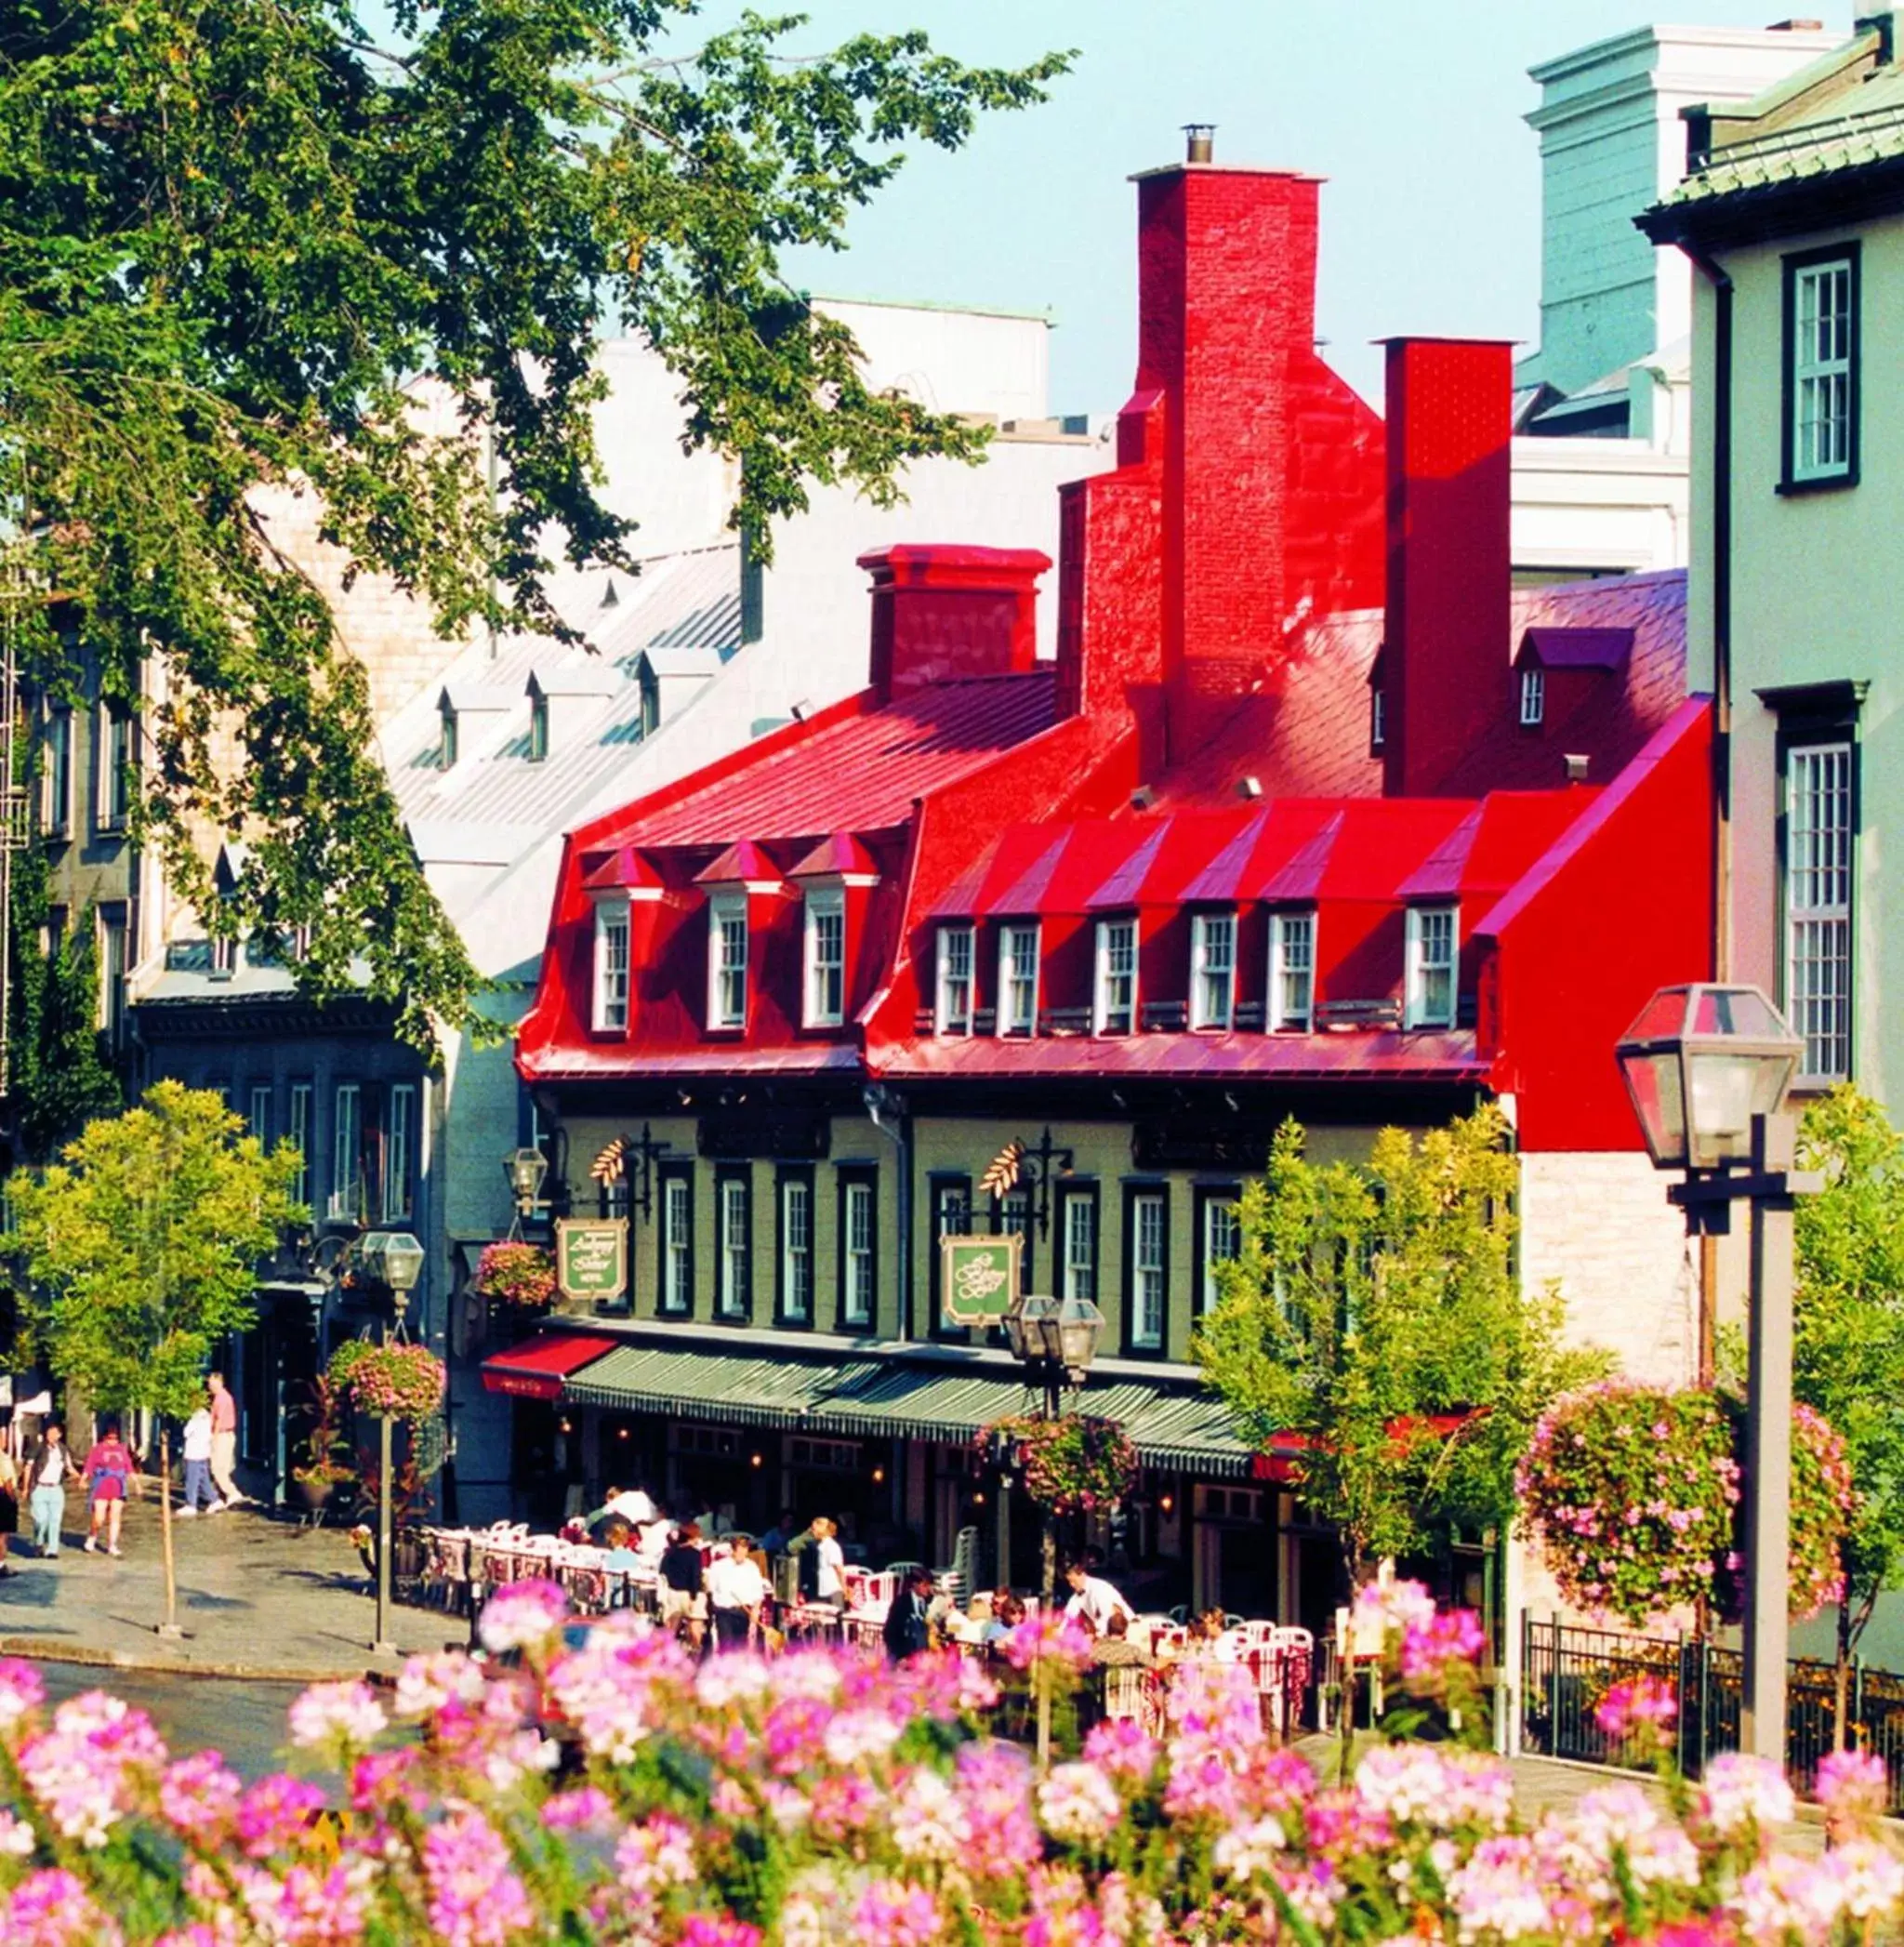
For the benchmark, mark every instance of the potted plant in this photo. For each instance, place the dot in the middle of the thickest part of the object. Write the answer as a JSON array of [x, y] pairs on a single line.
[[398, 1381], [521, 1276], [323, 1470]]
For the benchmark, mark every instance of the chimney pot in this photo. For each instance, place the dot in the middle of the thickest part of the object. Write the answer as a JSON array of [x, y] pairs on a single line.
[[1143, 798], [1576, 767], [942, 612], [1251, 787], [1199, 141]]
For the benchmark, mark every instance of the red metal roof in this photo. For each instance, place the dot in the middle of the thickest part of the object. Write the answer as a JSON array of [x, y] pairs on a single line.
[[1348, 1057], [862, 773], [623, 868], [741, 864], [536, 1369], [841, 856]]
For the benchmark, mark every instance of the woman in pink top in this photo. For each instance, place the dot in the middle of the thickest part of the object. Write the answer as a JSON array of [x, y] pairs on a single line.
[[108, 1472]]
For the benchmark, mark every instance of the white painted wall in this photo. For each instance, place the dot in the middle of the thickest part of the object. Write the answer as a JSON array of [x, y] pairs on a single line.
[[1612, 142], [1588, 506], [951, 360]]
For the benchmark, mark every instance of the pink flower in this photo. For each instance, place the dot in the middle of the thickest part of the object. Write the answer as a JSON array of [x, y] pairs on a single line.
[[475, 1898], [1852, 1785], [1047, 1636], [21, 1690], [587, 1808], [524, 1615], [898, 1915], [1452, 1636], [53, 1909], [275, 1814], [337, 1717], [198, 1797], [1640, 1701]]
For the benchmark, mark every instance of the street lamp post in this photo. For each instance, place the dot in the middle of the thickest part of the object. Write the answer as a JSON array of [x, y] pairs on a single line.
[[525, 1167], [397, 1258], [1709, 1069]]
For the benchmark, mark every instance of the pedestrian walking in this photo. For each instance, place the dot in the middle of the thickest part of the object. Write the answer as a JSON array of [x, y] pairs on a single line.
[[198, 1464], [829, 1579], [9, 1503], [735, 1591], [684, 1597], [108, 1472], [47, 1474], [224, 1455]]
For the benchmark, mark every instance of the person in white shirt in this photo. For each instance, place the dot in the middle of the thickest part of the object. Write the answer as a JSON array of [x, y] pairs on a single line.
[[631, 1503], [735, 1591], [1094, 1599], [198, 1464], [650, 1542], [830, 1582]]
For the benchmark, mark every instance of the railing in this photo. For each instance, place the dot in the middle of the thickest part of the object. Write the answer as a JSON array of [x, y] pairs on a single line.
[[1566, 1670]]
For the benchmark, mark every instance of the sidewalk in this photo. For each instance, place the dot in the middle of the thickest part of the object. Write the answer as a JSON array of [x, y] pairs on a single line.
[[260, 1596]]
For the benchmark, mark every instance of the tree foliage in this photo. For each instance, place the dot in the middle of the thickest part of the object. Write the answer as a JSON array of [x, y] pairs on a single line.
[[1848, 1326], [1375, 1312], [142, 1244], [239, 242]]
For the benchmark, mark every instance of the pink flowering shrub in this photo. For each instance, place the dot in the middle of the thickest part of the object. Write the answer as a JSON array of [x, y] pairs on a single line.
[[518, 1274], [1633, 1493], [1076, 1465], [401, 1382], [619, 1792]]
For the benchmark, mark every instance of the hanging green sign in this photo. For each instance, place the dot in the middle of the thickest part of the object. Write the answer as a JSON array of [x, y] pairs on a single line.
[[591, 1257], [977, 1277]]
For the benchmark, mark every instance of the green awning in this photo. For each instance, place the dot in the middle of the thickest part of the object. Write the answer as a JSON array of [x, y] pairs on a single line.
[[901, 1399]]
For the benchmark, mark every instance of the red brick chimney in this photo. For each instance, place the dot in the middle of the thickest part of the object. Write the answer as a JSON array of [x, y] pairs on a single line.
[[1248, 495], [1445, 654], [942, 612]]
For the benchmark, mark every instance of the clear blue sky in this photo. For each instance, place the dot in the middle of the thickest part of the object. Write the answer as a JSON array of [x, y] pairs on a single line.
[[1410, 108]]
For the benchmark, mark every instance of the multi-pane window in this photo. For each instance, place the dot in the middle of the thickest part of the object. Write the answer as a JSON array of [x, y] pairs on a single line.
[[796, 1250], [1013, 1220], [299, 1134], [1212, 968], [346, 1152], [1292, 971], [736, 1215], [953, 1013], [825, 944], [116, 751], [400, 1151], [611, 967], [1223, 1243], [727, 960], [857, 1258], [259, 1116], [539, 729], [446, 744], [1377, 718], [1078, 1278], [1821, 384], [56, 779], [1533, 695], [677, 1295], [1116, 1009], [1147, 1273], [1018, 980], [112, 939], [1431, 969], [1817, 905]]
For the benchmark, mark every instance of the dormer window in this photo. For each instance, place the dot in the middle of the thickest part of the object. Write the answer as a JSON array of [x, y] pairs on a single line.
[[1433, 941], [826, 957], [1018, 980], [953, 1012], [727, 960], [611, 1009], [1377, 718], [1212, 968], [446, 744], [1292, 973], [1533, 695], [1114, 1007], [538, 728]]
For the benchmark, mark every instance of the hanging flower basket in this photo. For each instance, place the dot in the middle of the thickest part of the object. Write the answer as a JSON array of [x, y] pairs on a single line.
[[1635, 1494], [401, 1382], [1071, 1466], [515, 1274]]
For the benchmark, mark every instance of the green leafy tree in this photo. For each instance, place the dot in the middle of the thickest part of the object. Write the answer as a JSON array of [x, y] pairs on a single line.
[[1375, 1312], [239, 242], [142, 1246], [1848, 1334]]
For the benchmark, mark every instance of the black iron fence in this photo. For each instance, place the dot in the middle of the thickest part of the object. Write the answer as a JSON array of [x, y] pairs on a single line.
[[1565, 1671]]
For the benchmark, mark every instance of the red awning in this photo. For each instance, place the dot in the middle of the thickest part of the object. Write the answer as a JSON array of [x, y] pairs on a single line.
[[1283, 1461], [536, 1369]]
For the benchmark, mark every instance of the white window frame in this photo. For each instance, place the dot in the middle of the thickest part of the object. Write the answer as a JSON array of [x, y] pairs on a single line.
[[297, 1134], [677, 1294], [347, 1155], [733, 1247], [56, 782], [449, 741], [727, 972], [118, 758], [1212, 987], [259, 1119], [1424, 930], [1114, 992], [797, 1249], [1533, 695], [1291, 972], [399, 1147], [1150, 1244], [1823, 444], [952, 1008], [825, 997], [612, 983], [538, 729], [857, 1296], [1018, 1010], [1820, 838], [1377, 717], [1078, 1267], [1222, 1243], [114, 936]]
